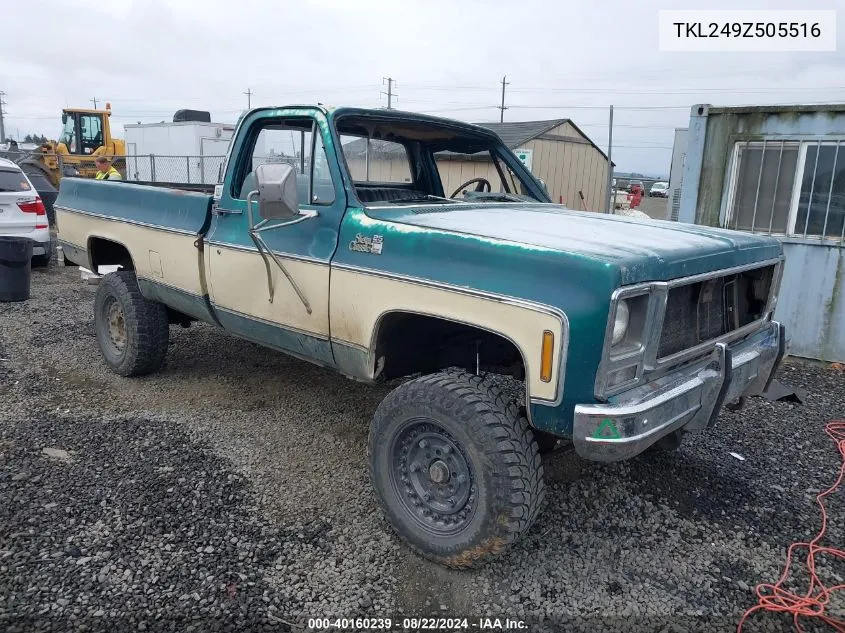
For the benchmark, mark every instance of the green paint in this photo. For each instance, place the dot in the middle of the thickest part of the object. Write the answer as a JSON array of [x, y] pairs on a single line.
[[607, 424]]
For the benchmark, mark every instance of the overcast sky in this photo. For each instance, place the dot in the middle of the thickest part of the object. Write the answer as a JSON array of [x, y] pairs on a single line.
[[149, 58]]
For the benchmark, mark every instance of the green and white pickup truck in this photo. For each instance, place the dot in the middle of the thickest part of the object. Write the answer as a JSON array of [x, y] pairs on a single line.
[[344, 237]]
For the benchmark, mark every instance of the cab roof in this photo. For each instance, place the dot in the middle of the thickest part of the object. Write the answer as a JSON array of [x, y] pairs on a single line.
[[373, 121]]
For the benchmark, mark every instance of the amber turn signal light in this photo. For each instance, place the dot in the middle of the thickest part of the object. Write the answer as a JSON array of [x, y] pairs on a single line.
[[546, 356]]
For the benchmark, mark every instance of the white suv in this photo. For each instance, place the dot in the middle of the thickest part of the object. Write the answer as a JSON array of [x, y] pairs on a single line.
[[22, 212]]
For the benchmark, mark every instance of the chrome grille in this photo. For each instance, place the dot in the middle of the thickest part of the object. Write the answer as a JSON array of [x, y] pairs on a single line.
[[705, 310]]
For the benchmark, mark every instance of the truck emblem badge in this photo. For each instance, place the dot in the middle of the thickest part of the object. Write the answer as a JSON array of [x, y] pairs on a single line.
[[364, 244]]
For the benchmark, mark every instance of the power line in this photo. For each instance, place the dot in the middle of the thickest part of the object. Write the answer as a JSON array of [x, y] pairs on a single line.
[[684, 91], [639, 127], [613, 90], [598, 107], [464, 109]]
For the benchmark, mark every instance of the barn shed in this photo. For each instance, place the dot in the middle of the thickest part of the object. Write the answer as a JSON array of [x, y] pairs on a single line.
[[560, 154]]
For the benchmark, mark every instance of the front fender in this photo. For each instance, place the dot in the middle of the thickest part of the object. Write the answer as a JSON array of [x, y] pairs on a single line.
[[361, 298]]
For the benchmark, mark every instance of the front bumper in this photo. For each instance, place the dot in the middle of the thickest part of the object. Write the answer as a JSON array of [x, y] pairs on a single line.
[[687, 398]]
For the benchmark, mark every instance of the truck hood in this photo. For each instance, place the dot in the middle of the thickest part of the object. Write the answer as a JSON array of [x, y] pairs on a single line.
[[642, 250]]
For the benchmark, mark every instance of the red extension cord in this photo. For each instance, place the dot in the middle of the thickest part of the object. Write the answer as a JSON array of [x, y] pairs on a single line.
[[811, 604]]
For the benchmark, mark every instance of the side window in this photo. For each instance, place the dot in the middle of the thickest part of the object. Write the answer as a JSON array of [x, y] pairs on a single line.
[[375, 161], [92, 132], [290, 142]]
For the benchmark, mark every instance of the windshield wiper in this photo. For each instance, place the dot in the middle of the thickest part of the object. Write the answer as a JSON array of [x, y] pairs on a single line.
[[428, 197], [498, 197]]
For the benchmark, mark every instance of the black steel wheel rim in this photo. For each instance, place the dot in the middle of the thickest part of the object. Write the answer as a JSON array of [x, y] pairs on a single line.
[[432, 477], [114, 325]]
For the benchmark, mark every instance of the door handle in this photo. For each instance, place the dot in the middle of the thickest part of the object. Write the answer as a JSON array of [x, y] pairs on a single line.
[[220, 211]]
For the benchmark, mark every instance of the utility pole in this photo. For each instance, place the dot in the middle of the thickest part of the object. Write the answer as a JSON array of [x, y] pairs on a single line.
[[95, 102], [2, 122], [611, 195], [502, 107], [248, 94], [390, 81]]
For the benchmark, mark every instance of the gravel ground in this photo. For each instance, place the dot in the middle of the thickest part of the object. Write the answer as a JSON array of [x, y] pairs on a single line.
[[657, 208], [229, 492]]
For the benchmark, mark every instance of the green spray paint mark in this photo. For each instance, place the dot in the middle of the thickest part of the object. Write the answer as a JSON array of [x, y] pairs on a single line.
[[605, 426]]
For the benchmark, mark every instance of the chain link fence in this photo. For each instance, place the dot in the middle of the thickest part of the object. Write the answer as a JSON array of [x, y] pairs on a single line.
[[17, 156], [182, 170], [147, 168]]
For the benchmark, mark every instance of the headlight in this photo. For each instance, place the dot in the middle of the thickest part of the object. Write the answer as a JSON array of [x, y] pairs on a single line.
[[620, 324]]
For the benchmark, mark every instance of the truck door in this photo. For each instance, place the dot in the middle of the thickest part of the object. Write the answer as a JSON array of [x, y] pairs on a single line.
[[251, 293]]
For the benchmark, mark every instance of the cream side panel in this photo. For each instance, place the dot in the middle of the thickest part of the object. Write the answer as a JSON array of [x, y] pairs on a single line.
[[162, 256], [358, 300], [238, 281]]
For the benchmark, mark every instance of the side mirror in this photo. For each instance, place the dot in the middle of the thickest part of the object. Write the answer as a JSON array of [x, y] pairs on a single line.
[[64, 118], [276, 184]]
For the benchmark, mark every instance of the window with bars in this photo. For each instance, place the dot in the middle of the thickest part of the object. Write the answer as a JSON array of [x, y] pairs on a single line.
[[788, 187]]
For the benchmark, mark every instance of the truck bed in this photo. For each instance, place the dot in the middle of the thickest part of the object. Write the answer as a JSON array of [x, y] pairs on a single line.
[[151, 229], [156, 206], [199, 188]]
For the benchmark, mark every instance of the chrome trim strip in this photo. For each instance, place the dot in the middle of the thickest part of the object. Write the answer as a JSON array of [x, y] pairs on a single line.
[[340, 341], [63, 242], [676, 359], [248, 249], [154, 281], [563, 344], [146, 225], [525, 303], [683, 281], [281, 326]]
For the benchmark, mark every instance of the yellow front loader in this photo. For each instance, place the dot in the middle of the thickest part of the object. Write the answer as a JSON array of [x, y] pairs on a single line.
[[85, 135]]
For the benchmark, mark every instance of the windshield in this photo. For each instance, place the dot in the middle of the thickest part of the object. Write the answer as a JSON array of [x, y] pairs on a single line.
[[395, 161]]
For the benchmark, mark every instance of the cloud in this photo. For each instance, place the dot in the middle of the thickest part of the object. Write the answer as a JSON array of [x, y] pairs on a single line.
[[150, 58]]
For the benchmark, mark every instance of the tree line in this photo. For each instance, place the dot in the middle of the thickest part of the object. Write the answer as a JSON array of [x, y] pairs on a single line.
[[31, 138]]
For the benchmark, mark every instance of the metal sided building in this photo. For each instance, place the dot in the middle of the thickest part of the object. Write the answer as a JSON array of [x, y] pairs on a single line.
[[676, 172], [558, 153], [779, 170]]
